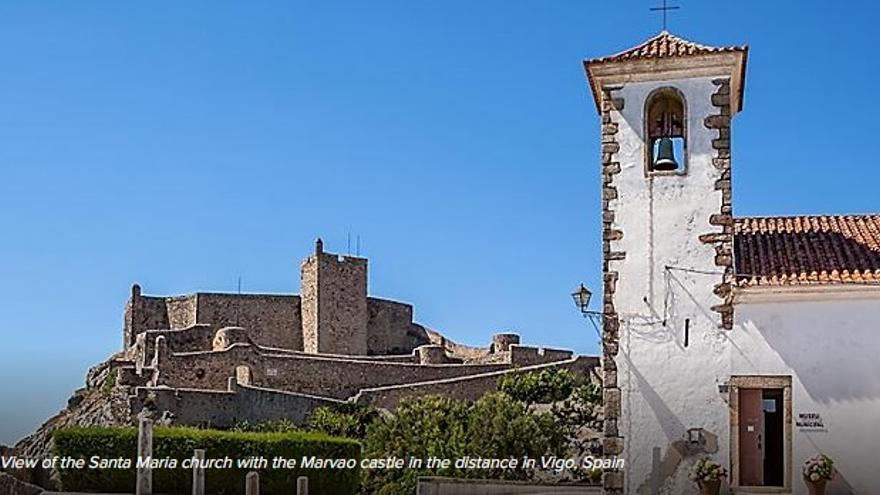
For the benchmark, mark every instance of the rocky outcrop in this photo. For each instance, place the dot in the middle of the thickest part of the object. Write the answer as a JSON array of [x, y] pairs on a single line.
[[101, 403], [10, 485]]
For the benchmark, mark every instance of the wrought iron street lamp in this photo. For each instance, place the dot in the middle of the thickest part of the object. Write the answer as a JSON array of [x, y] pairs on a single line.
[[581, 297]]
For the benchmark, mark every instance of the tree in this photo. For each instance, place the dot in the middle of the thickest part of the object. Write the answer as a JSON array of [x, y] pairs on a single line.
[[496, 426], [500, 426], [548, 412], [538, 387], [574, 403], [580, 417], [423, 427], [344, 420]]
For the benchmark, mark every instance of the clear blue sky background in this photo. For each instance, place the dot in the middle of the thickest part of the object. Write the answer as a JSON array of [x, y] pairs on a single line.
[[182, 144]]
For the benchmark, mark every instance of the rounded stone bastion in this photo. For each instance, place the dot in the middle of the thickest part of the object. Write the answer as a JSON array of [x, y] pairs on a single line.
[[501, 342], [431, 354], [227, 336]]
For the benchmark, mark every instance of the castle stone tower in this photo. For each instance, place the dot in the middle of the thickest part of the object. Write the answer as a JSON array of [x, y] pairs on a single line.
[[666, 107], [334, 303]]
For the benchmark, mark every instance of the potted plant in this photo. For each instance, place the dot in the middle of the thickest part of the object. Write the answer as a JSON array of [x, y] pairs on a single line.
[[594, 475], [817, 471], [707, 474]]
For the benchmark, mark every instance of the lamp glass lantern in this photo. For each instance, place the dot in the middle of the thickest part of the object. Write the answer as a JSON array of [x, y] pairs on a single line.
[[581, 297]]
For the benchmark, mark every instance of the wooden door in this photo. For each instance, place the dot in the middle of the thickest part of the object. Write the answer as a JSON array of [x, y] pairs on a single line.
[[751, 448]]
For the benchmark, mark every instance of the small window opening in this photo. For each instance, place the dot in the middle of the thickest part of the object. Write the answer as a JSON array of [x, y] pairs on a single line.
[[687, 331], [666, 132]]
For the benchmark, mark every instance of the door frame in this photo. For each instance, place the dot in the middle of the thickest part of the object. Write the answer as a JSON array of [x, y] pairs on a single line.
[[761, 382]]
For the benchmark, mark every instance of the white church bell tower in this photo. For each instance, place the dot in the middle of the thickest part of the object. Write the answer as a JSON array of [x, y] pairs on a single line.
[[666, 108]]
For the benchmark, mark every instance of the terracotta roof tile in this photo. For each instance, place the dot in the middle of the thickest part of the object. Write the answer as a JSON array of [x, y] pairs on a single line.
[[664, 45], [807, 250]]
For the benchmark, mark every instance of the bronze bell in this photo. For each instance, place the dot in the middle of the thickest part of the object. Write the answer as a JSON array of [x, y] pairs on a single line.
[[665, 159]]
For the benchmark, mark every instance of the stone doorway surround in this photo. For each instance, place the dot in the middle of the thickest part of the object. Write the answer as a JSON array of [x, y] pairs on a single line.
[[760, 382]]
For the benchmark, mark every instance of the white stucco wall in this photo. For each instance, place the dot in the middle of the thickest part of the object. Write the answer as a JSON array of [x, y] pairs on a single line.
[[666, 388], [827, 341], [830, 345]]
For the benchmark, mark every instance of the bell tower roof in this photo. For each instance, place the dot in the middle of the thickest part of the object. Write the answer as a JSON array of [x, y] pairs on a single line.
[[667, 56], [664, 45]]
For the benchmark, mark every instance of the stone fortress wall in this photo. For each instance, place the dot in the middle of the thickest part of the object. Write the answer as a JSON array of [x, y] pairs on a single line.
[[216, 359], [334, 315], [224, 408], [338, 377]]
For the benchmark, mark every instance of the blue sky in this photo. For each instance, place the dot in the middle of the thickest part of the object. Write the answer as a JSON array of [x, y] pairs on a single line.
[[184, 144]]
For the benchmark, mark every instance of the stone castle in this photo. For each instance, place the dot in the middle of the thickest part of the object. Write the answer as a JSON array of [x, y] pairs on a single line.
[[333, 315], [215, 359], [209, 359]]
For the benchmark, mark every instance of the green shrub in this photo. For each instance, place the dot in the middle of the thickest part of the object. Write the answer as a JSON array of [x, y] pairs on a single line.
[[503, 427], [431, 426], [179, 443], [580, 416], [575, 405], [538, 387], [109, 383], [496, 426], [344, 420], [273, 426]]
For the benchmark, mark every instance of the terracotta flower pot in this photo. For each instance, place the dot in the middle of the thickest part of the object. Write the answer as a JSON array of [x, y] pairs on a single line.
[[816, 487], [710, 487]]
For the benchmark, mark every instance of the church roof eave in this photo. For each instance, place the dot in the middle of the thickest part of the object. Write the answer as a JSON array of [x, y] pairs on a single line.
[[804, 251], [666, 49]]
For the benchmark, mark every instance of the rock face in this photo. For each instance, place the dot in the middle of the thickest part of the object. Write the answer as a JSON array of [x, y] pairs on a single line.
[[101, 403], [12, 486]]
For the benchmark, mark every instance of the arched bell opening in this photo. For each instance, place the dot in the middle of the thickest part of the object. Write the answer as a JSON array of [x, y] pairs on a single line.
[[666, 131]]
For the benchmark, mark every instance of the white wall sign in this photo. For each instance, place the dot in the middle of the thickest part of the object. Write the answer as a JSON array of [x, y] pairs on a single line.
[[810, 422]]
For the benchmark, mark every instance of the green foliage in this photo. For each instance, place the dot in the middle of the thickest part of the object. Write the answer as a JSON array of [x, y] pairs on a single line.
[[345, 420], [538, 387], [580, 417], [179, 443], [274, 426], [594, 475], [581, 408], [109, 383], [503, 427], [496, 426], [575, 407]]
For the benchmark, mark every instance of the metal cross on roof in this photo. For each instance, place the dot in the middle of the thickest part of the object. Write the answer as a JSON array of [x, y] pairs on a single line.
[[664, 8]]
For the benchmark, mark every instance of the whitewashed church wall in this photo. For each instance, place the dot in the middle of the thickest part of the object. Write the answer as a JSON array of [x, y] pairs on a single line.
[[831, 349], [667, 388]]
